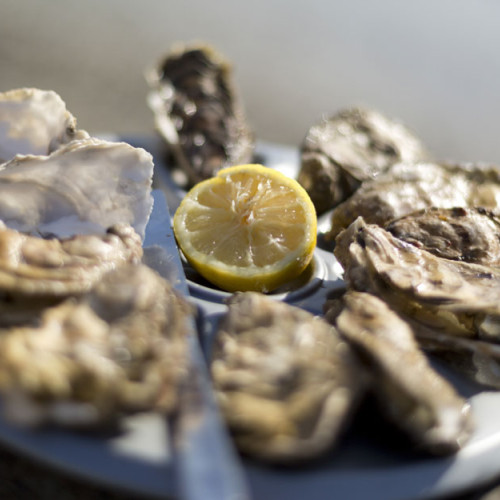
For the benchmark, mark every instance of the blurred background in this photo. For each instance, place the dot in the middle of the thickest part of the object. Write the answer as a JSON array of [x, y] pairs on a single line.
[[434, 65]]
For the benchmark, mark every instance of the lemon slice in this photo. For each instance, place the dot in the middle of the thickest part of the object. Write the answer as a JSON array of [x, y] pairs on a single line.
[[249, 228]]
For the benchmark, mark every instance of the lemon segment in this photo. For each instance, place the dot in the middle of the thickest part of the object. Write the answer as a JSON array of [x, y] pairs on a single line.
[[248, 228]]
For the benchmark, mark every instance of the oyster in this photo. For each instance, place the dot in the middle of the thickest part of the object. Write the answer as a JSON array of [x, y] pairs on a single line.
[[286, 382], [83, 187], [456, 297], [120, 348], [466, 234], [36, 273], [407, 187], [415, 398], [34, 122], [198, 112], [478, 360], [350, 147]]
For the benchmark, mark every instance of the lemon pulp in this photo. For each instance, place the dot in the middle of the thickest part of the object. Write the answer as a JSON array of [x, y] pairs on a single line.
[[249, 228]]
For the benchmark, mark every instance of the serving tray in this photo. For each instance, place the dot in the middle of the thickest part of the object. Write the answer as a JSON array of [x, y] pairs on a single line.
[[142, 458]]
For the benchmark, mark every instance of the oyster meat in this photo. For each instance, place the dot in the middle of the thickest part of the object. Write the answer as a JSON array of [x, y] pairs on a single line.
[[466, 234], [83, 187], [352, 146], [34, 122], [407, 187], [36, 273], [285, 380], [118, 349], [409, 392], [198, 112]]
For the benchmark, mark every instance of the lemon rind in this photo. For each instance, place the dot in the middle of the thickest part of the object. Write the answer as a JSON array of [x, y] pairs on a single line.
[[234, 278]]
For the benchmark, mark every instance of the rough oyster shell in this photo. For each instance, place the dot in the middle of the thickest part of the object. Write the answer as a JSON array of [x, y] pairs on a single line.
[[415, 398], [466, 234], [83, 187], [198, 112], [469, 235], [478, 360], [36, 272], [34, 122], [456, 297], [285, 380], [408, 187], [120, 348], [350, 147]]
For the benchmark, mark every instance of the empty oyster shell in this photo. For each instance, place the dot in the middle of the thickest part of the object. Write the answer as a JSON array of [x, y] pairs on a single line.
[[467, 234], [36, 272], [285, 380], [407, 187], [460, 298], [415, 398], [352, 146], [83, 187], [121, 348], [34, 122], [198, 112]]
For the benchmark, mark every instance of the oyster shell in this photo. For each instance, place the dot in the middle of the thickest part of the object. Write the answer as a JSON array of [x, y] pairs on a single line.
[[460, 298], [478, 360], [34, 122], [36, 273], [118, 349], [198, 112], [407, 187], [415, 398], [469, 235], [83, 187], [466, 234], [350, 147], [285, 380]]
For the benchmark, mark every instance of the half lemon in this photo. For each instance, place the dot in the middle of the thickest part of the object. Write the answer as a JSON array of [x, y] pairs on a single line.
[[249, 228]]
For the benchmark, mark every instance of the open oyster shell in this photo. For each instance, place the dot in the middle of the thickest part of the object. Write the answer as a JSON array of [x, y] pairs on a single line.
[[413, 396], [468, 235], [198, 112], [406, 187], [34, 122], [285, 380], [465, 234], [460, 298], [479, 360], [117, 349], [350, 147], [83, 187], [36, 273]]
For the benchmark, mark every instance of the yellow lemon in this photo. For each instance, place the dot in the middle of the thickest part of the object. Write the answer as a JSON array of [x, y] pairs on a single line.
[[249, 228]]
